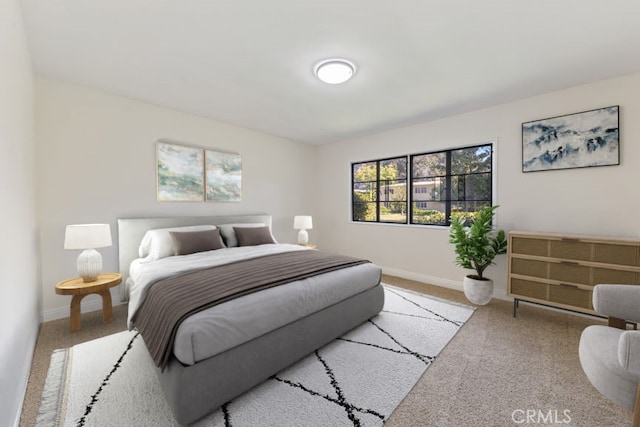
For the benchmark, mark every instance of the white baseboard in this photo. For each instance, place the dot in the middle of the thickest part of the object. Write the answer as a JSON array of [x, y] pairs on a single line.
[[438, 281], [25, 375], [452, 284], [62, 312]]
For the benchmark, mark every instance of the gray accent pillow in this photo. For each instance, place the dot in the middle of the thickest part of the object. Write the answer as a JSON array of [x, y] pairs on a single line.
[[252, 236], [189, 242], [229, 235], [157, 243]]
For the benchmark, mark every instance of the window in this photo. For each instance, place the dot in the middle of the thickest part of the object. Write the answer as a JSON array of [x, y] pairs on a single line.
[[457, 183], [442, 184], [379, 191]]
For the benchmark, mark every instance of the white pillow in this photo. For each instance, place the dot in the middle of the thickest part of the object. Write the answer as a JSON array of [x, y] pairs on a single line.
[[229, 235], [158, 243]]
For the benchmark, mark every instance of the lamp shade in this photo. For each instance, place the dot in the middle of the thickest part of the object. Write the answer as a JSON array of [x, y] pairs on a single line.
[[87, 236], [302, 222]]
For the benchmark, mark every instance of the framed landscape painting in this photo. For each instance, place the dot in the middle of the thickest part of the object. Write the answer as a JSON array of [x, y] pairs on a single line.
[[580, 140], [223, 176], [180, 172]]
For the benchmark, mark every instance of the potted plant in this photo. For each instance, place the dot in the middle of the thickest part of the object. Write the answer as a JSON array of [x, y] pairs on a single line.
[[476, 246]]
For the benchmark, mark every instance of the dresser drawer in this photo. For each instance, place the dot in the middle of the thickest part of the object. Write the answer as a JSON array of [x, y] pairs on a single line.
[[526, 288], [616, 254], [569, 272], [529, 267], [611, 276], [527, 246], [569, 295], [561, 270], [570, 249]]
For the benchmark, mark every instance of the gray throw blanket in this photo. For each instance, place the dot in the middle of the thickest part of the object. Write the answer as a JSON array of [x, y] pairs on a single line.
[[171, 300]]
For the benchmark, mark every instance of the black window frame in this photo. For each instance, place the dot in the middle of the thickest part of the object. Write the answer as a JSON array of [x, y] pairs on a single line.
[[448, 179], [378, 202], [410, 189]]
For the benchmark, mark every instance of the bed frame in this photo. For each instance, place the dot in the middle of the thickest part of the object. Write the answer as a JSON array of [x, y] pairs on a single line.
[[194, 391], [132, 230]]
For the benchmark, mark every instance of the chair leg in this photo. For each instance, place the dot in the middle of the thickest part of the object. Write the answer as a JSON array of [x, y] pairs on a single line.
[[636, 408], [614, 322]]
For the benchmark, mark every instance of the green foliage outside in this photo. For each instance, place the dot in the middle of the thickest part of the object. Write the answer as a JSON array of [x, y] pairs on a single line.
[[463, 161], [468, 166], [387, 189], [395, 203], [363, 211], [428, 216], [432, 216], [465, 217], [367, 172]]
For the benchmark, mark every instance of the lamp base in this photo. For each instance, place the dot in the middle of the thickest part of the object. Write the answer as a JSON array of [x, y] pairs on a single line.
[[89, 265], [303, 237]]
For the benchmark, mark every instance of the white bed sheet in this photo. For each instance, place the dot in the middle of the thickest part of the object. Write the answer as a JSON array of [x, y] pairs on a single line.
[[224, 326], [144, 273]]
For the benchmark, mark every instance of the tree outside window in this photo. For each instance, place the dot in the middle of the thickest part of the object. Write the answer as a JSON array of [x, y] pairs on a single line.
[[380, 191], [443, 184], [459, 183]]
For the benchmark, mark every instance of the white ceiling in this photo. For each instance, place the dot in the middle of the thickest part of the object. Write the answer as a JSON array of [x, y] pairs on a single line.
[[250, 62]]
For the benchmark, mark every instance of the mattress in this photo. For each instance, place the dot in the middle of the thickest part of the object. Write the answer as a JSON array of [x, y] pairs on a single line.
[[227, 325]]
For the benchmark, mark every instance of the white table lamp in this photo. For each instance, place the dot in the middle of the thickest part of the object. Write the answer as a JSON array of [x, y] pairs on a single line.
[[88, 237], [303, 223]]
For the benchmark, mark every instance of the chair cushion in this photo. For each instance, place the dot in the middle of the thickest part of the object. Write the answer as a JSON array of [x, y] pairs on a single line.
[[629, 351], [599, 359]]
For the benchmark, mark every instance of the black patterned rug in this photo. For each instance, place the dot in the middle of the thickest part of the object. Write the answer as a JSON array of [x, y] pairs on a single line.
[[356, 380]]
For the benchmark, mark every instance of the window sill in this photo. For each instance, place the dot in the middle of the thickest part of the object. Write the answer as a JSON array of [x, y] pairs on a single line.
[[391, 224]]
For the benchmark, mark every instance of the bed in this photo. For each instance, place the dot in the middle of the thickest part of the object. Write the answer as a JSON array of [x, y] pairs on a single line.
[[219, 353]]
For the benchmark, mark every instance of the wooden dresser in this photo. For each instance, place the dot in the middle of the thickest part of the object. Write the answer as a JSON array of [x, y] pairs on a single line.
[[561, 270]]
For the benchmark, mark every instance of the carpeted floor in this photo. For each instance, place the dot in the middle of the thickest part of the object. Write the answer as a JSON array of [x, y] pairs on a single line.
[[358, 379], [55, 334], [496, 369]]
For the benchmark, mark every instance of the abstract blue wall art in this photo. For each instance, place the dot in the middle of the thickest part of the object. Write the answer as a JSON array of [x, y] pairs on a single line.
[[579, 140]]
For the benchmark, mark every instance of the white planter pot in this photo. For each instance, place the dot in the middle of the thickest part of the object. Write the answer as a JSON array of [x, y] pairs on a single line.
[[478, 291]]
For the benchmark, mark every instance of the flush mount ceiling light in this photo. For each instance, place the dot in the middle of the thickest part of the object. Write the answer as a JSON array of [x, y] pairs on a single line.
[[335, 71]]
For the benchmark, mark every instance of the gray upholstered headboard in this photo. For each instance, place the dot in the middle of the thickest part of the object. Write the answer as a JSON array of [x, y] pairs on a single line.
[[132, 230]]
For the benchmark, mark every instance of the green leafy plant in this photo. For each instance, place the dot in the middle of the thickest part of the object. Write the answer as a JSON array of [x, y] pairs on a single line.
[[477, 246]]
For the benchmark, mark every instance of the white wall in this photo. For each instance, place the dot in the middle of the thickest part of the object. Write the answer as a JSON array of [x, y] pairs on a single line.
[[18, 253], [96, 163], [602, 200]]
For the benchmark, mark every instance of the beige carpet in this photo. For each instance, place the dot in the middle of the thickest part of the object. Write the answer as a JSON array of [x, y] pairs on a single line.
[[493, 371], [54, 335]]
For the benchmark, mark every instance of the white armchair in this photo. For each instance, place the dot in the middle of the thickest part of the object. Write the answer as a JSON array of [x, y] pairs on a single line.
[[610, 355]]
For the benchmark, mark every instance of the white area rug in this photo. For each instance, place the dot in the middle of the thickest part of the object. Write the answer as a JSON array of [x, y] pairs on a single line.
[[356, 380]]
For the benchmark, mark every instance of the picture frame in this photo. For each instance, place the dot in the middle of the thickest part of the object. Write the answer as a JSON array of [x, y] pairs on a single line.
[[223, 176], [579, 140], [180, 173]]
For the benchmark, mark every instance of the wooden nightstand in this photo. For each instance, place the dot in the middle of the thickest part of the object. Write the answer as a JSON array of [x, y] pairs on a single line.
[[80, 289]]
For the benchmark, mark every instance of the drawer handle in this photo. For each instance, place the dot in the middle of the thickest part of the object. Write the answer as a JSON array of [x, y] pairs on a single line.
[[569, 286], [570, 239], [570, 262]]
